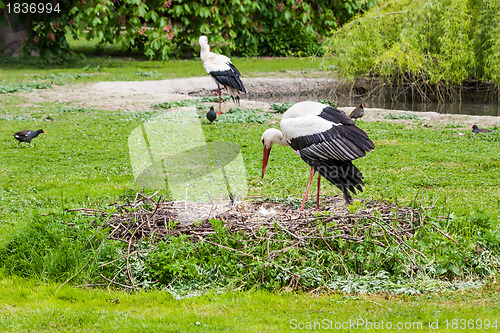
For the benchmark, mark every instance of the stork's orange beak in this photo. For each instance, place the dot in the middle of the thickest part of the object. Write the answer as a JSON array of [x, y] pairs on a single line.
[[265, 158]]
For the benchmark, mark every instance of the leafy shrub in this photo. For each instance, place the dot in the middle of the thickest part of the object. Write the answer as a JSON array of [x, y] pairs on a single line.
[[167, 29], [232, 260], [436, 44], [68, 247], [47, 35], [281, 108], [249, 28]]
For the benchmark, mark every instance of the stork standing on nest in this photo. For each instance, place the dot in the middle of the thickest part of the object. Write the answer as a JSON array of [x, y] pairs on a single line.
[[326, 139], [222, 70]]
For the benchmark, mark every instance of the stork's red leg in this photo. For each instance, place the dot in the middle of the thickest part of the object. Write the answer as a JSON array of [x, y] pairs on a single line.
[[220, 99], [308, 186], [317, 195]]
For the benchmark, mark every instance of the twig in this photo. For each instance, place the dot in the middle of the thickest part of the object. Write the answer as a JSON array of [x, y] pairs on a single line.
[[226, 247], [129, 271], [443, 233], [117, 283]]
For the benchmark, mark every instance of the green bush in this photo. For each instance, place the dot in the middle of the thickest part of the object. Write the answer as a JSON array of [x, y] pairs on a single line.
[[165, 29], [52, 249], [427, 42]]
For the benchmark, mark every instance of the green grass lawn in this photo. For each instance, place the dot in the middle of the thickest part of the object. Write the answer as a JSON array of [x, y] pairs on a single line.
[[83, 161], [94, 69], [31, 306]]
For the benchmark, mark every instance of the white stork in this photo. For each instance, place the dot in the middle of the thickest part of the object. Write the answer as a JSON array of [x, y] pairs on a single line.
[[326, 139], [222, 70]]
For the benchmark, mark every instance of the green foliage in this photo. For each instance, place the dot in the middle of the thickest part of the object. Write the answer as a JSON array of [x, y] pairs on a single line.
[[247, 27], [402, 116], [197, 103], [486, 42], [42, 307], [242, 116], [425, 41], [232, 259], [6, 88], [47, 34], [213, 99], [89, 168], [234, 116], [281, 108], [176, 104], [328, 102], [147, 74], [40, 82], [50, 250], [157, 28]]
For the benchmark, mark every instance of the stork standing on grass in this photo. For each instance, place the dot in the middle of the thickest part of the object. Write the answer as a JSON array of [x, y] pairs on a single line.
[[326, 139], [223, 72]]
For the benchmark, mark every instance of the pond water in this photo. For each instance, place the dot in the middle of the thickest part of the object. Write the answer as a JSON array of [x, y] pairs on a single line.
[[470, 106]]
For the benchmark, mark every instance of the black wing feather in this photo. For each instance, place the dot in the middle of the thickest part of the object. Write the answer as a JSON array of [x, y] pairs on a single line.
[[230, 77], [330, 152], [23, 132], [345, 143], [335, 115], [343, 174]]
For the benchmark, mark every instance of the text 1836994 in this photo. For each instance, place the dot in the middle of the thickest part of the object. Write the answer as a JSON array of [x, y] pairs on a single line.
[[32, 8]]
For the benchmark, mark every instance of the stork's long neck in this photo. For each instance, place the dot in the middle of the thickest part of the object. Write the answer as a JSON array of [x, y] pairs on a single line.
[[205, 51]]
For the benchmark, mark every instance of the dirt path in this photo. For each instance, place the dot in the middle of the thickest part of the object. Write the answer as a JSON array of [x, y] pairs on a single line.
[[140, 95]]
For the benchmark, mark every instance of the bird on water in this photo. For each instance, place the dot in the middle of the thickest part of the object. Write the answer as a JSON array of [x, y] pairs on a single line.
[[327, 140]]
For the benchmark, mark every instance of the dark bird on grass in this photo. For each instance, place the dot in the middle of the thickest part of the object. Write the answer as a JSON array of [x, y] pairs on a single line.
[[358, 112], [223, 72], [476, 129], [327, 140], [27, 135], [211, 115]]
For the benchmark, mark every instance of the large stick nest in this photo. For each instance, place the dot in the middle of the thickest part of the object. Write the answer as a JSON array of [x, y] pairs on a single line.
[[378, 222], [146, 217]]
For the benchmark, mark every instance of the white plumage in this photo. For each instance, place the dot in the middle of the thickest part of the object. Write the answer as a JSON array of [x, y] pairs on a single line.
[[222, 71], [326, 139]]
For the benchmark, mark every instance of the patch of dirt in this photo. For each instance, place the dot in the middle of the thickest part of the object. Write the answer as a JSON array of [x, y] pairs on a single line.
[[140, 95]]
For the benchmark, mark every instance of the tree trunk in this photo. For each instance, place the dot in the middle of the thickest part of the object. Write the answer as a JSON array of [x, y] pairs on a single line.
[[13, 35]]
